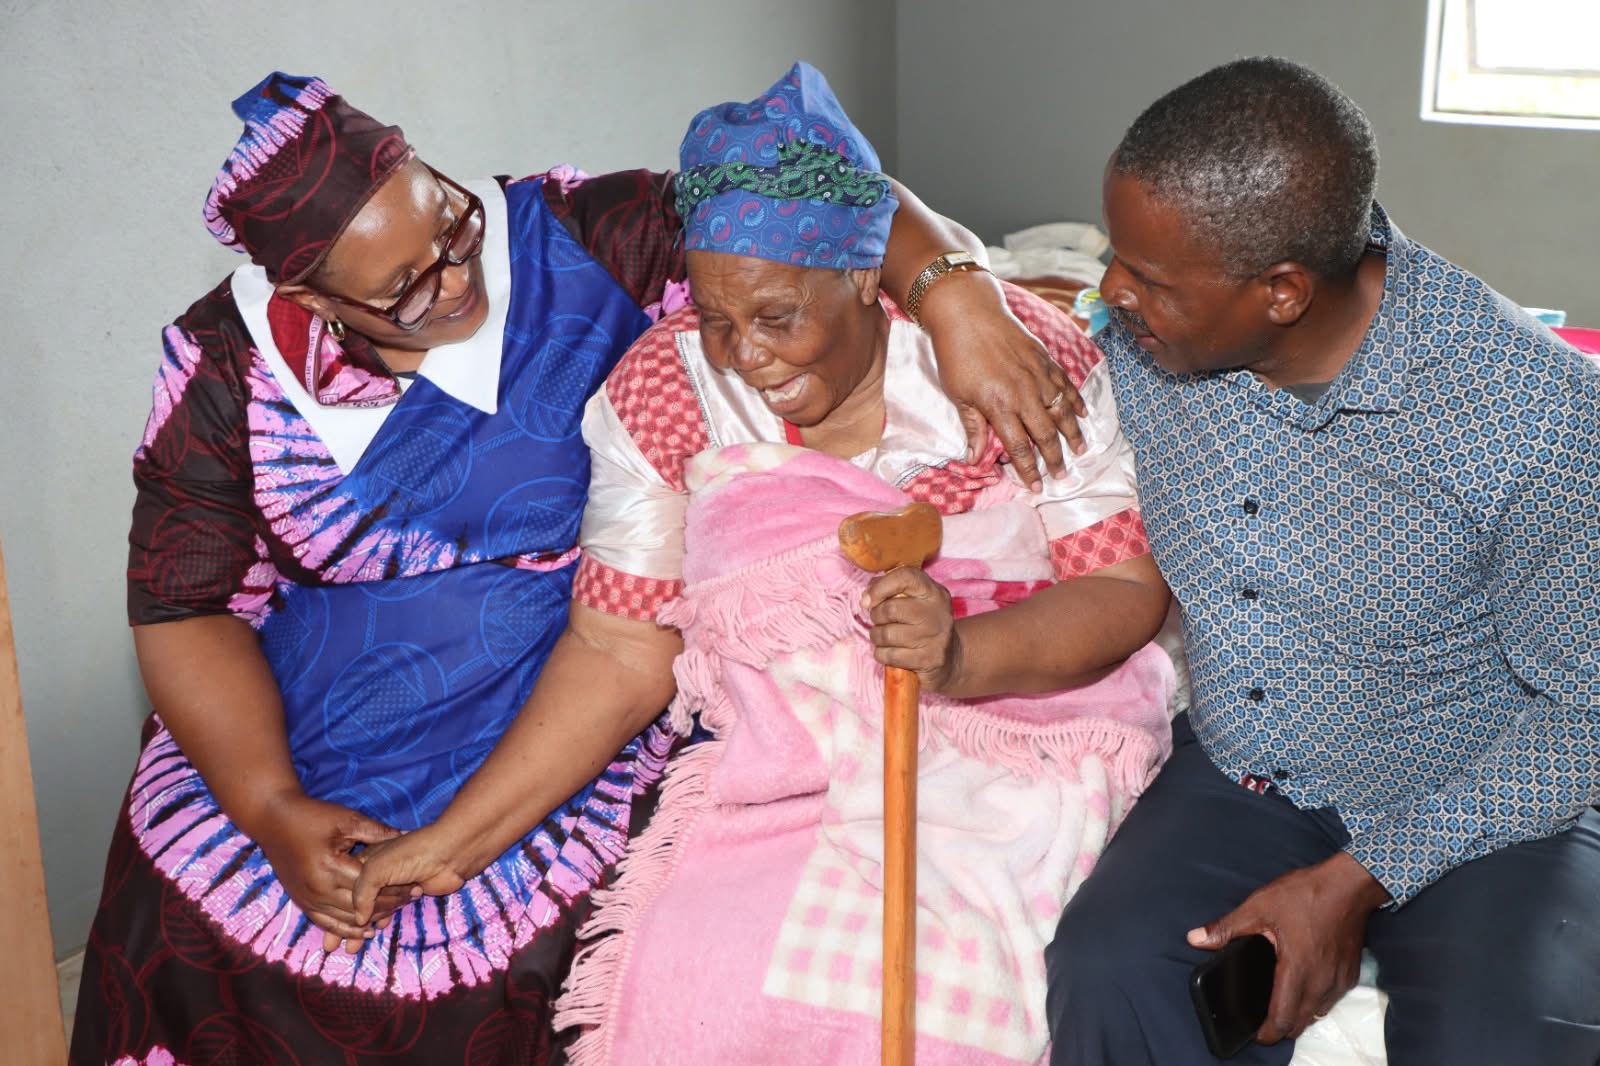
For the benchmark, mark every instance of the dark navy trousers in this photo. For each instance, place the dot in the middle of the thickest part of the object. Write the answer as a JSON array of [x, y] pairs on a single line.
[[1495, 964]]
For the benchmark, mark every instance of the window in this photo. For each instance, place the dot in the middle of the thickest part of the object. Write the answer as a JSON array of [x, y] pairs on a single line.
[[1513, 63]]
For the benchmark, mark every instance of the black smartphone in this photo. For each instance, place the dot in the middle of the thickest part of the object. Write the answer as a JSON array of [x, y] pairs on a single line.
[[1232, 990]]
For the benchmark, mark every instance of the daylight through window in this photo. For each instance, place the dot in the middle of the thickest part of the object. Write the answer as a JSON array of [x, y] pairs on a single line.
[[1513, 62]]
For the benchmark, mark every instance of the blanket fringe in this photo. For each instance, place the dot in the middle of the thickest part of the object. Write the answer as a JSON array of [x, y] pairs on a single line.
[[801, 598], [1131, 755], [700, 692], [590, 996], [1030, 750]]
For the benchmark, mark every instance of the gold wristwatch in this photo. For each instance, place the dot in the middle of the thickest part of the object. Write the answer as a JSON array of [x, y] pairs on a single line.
[[941, 265]]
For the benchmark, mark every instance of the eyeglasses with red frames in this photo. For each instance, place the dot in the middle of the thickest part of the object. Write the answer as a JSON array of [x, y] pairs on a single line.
[[464, 241]]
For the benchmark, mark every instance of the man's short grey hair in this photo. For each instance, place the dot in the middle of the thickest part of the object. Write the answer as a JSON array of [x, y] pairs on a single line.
[[1267, 160]]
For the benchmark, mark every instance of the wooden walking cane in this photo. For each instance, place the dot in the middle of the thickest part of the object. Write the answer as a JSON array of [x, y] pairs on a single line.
[[877, 542]]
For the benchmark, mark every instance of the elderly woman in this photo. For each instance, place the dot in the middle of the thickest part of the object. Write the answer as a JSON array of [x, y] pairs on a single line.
[[727, 445], [352, 552]]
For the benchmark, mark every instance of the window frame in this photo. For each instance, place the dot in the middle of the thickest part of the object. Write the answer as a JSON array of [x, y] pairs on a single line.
[[1483, 78]]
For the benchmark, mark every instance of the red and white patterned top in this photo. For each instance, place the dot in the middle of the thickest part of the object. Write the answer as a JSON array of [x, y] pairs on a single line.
[[664, 404]]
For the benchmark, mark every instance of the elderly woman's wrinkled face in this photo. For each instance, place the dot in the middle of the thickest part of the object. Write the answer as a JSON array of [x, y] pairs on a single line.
[[805, 338], [397, 235]]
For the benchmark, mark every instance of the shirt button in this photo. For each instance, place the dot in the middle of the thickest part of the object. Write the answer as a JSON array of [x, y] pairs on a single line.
[[1280, 775], [1257, 694], [1249, 594], [1251, 506]]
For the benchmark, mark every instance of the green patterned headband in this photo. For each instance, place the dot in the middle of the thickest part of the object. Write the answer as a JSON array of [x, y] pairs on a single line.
[[805, 171]]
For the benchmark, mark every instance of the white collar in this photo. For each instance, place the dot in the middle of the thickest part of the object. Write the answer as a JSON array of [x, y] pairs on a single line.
[[468, 370]]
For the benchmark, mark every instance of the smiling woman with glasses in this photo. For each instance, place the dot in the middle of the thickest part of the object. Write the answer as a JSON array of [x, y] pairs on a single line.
[[352, 552], [404, 277], [464, 238]]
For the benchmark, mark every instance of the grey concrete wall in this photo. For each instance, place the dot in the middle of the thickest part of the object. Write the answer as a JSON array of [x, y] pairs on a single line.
[[1009, 108], [116, 117]]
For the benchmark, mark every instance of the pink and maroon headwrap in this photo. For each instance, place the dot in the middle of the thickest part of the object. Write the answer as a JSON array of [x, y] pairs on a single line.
[[304, 167]]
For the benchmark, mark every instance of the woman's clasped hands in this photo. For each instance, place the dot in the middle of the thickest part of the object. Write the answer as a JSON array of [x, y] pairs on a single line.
[[318, 850]]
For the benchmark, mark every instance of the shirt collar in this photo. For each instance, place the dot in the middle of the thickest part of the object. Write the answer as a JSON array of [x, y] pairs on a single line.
[[1373, 381]]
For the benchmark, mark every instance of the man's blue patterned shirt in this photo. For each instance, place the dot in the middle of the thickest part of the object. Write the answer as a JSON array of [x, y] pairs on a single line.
[[1389, 596]]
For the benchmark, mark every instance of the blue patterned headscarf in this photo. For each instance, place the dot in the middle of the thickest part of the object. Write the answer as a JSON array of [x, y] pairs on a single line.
[[786, 177]]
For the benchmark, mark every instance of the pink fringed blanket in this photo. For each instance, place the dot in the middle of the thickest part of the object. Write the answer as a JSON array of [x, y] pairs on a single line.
[[745, 926]]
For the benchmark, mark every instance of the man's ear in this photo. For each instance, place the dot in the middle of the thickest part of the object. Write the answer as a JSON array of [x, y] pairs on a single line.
[[867, 282], [1287, 288]]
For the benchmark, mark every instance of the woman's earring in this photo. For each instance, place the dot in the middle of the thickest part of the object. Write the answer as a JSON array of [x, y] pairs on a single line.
[[336, 328]]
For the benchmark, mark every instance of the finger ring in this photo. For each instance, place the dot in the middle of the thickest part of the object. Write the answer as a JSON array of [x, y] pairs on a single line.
[[1055, 401]]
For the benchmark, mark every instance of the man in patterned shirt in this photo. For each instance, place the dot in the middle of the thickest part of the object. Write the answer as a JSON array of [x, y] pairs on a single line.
[[1374, 486]]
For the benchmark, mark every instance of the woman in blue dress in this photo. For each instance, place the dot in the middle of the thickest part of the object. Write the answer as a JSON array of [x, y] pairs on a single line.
[[351, 554]]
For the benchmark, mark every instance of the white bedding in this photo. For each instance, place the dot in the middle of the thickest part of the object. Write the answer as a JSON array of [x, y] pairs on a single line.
[[1351, 1034]]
